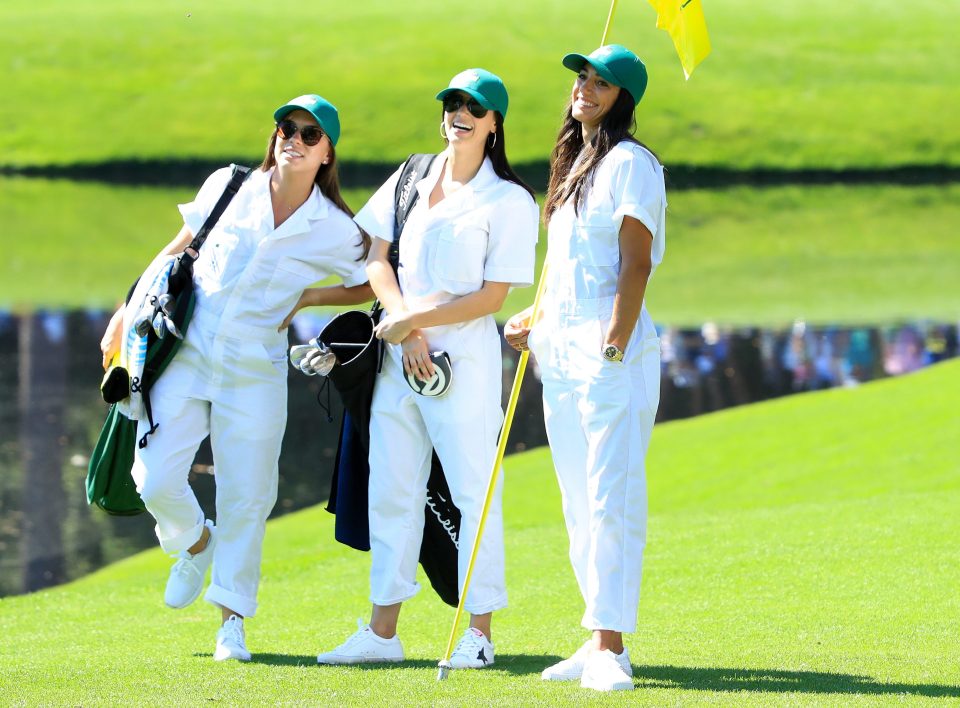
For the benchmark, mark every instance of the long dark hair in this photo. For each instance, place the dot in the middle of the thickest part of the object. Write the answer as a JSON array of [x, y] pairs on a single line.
[[566, 179], [327, 179], [498, 158]]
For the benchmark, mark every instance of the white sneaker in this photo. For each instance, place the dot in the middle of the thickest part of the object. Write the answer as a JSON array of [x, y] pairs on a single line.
[[364, 647], [474, 651], [603, 671], [187, 575], [572, 669], [231, 641]]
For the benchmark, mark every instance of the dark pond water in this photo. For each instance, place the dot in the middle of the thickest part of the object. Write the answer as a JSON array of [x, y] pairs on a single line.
[[51, 413]]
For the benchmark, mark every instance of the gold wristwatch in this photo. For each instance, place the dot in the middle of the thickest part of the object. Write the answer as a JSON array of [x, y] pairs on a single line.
[[611, 352]]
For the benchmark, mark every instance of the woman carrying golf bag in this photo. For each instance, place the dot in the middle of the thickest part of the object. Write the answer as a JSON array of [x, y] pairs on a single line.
[[469, 237], [286, 228], [597, 349]]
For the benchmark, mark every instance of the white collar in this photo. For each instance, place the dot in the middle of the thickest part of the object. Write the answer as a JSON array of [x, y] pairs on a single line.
[[314, 208], [484, 179]]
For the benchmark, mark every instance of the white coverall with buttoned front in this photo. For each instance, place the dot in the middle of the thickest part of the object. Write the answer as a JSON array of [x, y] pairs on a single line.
[[487, 230], [599, 414], [229, 378]]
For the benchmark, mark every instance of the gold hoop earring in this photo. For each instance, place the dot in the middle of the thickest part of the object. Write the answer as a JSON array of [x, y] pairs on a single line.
[[443, 132], [494, 143]]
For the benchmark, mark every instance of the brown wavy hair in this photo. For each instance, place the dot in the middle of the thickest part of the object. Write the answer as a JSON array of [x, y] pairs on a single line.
[[327, 179], [569, 178]]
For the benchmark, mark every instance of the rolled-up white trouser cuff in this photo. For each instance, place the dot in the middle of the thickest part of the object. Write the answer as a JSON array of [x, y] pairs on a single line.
[[243, 606], [183, 540], [386, 601], [498, 604]]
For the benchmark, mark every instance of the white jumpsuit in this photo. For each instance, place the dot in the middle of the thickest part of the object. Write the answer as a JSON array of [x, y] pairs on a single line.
[[229, 378], [599, 414], [487, 230]]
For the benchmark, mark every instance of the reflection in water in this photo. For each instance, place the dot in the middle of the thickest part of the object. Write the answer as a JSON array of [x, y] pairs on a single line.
[[50, 370]]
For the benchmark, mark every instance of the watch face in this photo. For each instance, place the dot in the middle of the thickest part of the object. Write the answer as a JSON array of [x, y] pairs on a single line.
[[611, 353]]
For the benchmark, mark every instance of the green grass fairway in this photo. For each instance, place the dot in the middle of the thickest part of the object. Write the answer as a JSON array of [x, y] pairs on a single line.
[[796, 83], [825, 254], [740, 256], [801, 552]]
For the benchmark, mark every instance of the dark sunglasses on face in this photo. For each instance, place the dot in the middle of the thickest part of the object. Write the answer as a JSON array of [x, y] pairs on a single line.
[[309, 134], [454, 102]]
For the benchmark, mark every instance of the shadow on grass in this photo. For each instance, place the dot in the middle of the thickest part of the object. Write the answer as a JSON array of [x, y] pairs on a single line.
[[689, 678], [517, 664], [776, 681]]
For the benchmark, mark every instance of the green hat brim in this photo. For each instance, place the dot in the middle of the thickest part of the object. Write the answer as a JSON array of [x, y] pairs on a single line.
[[480, 98], [332, 132], [575, 62]]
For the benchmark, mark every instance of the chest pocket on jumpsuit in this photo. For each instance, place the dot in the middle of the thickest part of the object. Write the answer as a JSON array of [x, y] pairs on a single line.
[[222, 246], [459, 257], [289, 279], [596, 241], [594, 254]]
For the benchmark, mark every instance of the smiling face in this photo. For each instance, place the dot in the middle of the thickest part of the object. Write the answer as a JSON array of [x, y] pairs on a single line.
[[463, 129], [592, 97], [293, 154]]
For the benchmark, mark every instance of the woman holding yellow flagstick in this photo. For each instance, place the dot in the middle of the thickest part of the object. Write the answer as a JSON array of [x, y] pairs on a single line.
[[597, 348]]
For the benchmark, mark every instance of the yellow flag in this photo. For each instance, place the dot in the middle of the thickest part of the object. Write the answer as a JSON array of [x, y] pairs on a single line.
[[684, 22]]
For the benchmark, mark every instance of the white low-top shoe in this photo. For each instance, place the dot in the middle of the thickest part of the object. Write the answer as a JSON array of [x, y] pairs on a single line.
[[603, 671], [231, 641], [364, 647], [187, 575], [474, 651], [572, 669]]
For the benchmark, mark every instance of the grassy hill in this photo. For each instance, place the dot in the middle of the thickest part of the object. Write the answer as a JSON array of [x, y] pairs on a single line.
[[739, 256], [799, 83], [801, 551]]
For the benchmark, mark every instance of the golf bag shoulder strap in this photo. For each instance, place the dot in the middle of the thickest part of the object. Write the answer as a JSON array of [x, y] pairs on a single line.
[[240, 173], [404, 197], [165, 349], [237, 177], [414, 169]]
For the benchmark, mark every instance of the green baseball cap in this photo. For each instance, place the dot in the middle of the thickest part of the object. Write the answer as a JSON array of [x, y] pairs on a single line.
[[320, 108], [616, 64], [487, 88]]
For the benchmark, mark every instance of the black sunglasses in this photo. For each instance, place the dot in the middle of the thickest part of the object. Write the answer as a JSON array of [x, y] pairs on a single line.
[[454, 102], [309, 134]]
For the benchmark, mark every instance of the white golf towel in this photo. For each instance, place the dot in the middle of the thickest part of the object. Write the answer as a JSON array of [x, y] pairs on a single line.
[[133, 351]]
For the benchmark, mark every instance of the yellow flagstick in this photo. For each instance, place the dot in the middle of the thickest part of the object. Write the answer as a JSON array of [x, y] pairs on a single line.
[[606, 28], [444, 665]]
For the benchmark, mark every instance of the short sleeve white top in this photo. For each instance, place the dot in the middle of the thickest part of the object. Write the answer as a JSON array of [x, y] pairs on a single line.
[[584, 247], [486, 230], [252, 273]]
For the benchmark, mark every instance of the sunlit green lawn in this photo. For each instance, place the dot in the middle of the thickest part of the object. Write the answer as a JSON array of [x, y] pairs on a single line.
[[811, 83], [739, 256], [800, 552]]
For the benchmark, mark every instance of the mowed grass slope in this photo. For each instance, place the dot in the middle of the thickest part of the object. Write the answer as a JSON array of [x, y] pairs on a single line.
[[739, 256], [800, 83], [801, 551]]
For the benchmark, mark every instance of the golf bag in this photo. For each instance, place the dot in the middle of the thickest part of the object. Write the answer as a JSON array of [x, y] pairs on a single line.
[[354, 379], [109, 484]]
